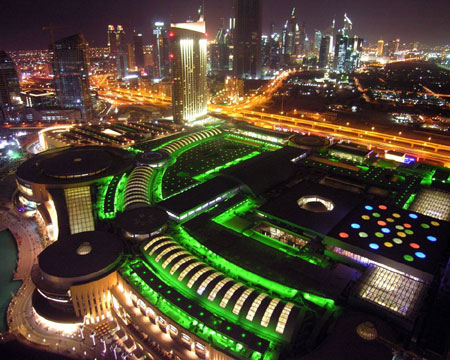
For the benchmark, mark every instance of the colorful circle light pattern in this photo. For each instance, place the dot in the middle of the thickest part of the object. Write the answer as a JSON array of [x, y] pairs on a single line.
[[380, 227]]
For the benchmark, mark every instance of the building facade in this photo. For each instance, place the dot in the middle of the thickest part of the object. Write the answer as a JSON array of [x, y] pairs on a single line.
[[247, 39], [71, 71], [10, 101], [189, 60]]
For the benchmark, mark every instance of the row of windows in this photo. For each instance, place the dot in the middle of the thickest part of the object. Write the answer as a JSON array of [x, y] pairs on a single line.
[[164, 245]]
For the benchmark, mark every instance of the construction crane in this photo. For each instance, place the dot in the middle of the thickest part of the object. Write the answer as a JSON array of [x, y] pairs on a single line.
[[51, 28]]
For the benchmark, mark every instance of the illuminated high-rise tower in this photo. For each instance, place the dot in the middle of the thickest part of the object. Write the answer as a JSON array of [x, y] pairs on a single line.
[[120, 36], [324, 51], [380, 48], [161, 50], [71, 70], [291, 39], [138, 50], [10, 101], [188, 57], [112, 39], [247, 39]]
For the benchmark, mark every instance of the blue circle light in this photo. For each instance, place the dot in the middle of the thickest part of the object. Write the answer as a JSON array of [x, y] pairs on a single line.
[[374, 246], [431, 238], [368, 207], [413, 216], [420, 255], [355, 226], [386, 230]]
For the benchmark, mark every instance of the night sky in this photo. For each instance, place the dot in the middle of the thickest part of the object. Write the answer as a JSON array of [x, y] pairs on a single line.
[[410, 20]]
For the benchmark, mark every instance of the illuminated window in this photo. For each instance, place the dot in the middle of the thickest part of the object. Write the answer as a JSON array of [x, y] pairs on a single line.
[[206, 282], [217, 288], [164, 243], [179, 263], [282, 320], [255, 306], [240, 302], [171, 257], [269, 311], [390, 290], [229, 294], [315, 203], [195, 277], [189, 268], [79, 207], [165, 252], [153, 241]]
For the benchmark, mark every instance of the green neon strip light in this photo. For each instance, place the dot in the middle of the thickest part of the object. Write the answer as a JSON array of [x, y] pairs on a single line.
[[205, 175], [184, 319], [320, 301], [233, 270], [409, 201]]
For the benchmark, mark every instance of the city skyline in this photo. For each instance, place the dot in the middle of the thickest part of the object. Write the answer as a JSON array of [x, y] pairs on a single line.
[[373, 21]]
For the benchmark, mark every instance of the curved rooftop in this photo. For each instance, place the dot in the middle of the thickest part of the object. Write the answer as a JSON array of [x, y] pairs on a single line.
[[80, 255], [143, 220], [74, 165]]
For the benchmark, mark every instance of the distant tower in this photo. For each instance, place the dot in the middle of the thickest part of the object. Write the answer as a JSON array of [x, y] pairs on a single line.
[[317, 40], [380, 48], [291, 39], [120, 36], [189, 58], [71, 70], [161, 50], [247, 39], [138, 50], [112, 39], [324, 51], [10, 101], [348, 25]]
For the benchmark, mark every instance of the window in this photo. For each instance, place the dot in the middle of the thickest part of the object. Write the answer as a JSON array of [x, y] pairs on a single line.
[[282, 320], [269, 311], [166, 251], [255, 306], [179, 263], [189, 268], [240, 302], [206, 282], [229, 294], [195, 277], [217, 288]]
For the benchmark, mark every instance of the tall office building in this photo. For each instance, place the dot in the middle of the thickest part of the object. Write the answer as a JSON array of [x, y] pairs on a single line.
[[161, 50], [317, 40], [347, 52], [10, 101], [189, 60], [324, 51], [112, 39], [247, 39], [380, 48], [71, 71], [120, 36], [290, 39], [138, 50], [123, 61], [220, 50]]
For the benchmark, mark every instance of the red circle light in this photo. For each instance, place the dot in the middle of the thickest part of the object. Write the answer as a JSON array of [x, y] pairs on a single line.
[[406, 225], [382, 207], [414, 246], [381, 223], [343, 235]]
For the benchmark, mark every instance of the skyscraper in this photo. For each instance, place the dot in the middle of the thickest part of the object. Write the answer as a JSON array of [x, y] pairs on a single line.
[[138, 50], [71, 70], [247, 39], [347, 53], [324, 51], [161, 50], [120, 36], [290, 39], [317, 40], [112, 39], [189, 58], [10, 101], [380, 48], [220, 51]]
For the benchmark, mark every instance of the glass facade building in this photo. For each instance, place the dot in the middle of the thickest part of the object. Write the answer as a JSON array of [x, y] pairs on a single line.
[[71, 70]]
